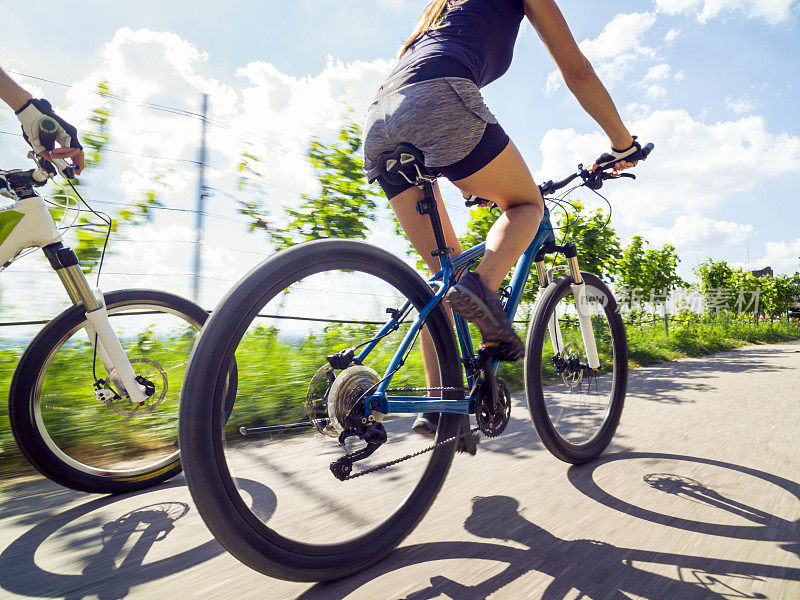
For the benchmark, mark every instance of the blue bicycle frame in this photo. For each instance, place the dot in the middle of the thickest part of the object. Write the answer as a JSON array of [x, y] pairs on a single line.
[[446, 278]]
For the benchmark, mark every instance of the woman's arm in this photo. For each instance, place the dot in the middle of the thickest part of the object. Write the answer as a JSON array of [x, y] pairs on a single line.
[[576, 70], [11, 93]]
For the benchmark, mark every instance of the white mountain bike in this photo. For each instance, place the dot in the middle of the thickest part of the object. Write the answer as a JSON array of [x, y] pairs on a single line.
[[93, 402]]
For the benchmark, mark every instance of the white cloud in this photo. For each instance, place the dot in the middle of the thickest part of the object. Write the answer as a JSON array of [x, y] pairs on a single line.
[[694, 168], [672, 34], [692, 233], [659, 71], [615, 50], [781, 256], [264, 111], [773, 11], [656, 91], [739, 105], [634, 111]]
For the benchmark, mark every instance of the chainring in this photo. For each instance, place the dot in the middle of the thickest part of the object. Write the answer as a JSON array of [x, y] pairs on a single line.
[[348, 388], [493, 420]]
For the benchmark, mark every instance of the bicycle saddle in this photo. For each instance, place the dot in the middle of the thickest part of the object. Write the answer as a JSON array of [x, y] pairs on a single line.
[[405, 164]]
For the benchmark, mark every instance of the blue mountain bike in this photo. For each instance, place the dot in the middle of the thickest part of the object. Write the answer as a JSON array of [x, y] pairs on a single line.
[[325, 334]]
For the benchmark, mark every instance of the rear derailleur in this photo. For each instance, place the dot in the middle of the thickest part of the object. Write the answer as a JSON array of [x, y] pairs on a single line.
[[373, 433]]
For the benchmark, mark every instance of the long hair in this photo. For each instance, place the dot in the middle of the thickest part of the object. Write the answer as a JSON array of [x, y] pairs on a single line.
[[431, 19]]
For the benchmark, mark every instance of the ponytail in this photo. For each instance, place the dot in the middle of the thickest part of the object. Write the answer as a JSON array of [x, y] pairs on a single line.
[[431, 19]]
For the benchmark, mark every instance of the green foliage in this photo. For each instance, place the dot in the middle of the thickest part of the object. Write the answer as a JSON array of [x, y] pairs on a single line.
[[252, 205], [646, 273], [346, 202], [597, 242], [734, 289]]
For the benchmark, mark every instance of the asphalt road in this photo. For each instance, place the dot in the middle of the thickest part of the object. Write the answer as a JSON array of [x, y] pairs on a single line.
[[697, 498]]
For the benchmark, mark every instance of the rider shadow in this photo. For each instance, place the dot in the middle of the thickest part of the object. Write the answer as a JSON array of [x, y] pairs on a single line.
[[113, 570], [593, 569]]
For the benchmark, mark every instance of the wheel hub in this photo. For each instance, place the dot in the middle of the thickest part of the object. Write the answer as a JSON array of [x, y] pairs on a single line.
[[350, 387]]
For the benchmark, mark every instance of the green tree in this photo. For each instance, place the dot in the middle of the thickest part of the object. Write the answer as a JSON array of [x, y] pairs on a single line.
[[646, 273], [346, 202], [248, 183], [597, 242]]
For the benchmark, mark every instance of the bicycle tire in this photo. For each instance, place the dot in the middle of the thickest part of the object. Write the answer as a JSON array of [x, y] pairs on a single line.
[[547, 403], [210, 482], [40, 443]]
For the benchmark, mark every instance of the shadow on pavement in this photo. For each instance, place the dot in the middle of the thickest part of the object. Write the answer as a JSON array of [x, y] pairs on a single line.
[[593, 569], [766, 527], [666, 382], [111, 571]]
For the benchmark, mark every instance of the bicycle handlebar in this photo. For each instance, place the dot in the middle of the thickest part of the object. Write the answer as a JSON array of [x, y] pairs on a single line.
[[594, 179]]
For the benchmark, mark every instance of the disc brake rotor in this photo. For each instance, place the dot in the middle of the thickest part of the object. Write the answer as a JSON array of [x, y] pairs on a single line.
[[572, 356], [127, 407]]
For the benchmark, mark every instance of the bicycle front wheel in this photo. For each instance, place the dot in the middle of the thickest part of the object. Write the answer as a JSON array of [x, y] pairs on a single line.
[[103, 442], [575, 409], [281, 322]]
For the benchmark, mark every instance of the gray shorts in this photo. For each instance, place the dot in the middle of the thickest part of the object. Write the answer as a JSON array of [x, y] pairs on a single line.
[[444, 118]]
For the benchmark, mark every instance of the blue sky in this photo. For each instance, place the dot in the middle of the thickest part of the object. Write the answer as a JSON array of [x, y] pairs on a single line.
[[714, 83]]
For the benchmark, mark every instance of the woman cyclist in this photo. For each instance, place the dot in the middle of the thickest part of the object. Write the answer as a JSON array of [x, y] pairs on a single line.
[[432, 101]]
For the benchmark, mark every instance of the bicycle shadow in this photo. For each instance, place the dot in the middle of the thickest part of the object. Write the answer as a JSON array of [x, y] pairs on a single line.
[[119, 565], [766, 527], [593, 569]]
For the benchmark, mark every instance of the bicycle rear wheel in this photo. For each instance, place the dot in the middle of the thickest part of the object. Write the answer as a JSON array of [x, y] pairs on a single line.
[[575, 410], [280, 322]]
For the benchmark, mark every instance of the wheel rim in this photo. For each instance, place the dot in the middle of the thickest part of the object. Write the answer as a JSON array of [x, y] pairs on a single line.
[[122, 447], [311, 511], [578, 404]]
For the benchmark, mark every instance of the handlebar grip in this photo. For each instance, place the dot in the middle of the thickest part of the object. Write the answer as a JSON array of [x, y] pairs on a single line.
[[47, 133], [641, 154]]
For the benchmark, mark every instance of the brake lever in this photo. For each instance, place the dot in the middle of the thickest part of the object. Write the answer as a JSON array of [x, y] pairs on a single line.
[[607, 175]]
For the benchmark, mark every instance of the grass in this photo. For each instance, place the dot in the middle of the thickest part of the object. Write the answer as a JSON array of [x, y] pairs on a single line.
[[273, 372]]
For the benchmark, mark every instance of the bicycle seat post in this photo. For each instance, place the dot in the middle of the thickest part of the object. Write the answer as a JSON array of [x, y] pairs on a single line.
[[428, 206]]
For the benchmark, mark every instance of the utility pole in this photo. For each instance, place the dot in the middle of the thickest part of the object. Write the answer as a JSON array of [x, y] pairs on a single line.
[[201, 196]]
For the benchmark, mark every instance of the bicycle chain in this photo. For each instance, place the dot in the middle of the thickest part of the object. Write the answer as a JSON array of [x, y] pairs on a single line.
[[424, 450], [408, 456]]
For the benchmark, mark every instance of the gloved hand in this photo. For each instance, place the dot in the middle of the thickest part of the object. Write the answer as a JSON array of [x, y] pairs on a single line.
[[31, 114], [617, 158]]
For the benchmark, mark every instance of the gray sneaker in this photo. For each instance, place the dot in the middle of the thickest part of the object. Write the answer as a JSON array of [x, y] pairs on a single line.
[[426, 424], [472, 300]]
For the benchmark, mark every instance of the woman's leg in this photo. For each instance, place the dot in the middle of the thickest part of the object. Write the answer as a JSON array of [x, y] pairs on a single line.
[[507, 182]]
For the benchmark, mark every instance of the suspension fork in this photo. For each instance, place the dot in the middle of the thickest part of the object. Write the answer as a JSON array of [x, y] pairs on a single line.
[[578, 286], [98, 328]]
